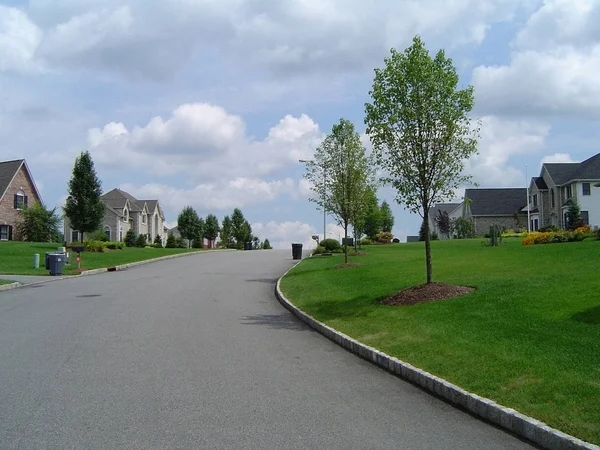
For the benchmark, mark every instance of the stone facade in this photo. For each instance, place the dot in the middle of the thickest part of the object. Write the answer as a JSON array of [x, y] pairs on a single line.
[[481, 224], [9, 215]]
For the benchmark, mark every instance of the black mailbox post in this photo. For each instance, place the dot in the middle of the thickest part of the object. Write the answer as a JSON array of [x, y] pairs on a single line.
[[78, 248]]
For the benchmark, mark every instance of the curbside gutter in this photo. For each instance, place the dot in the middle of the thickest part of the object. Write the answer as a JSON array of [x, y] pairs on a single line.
[[507, 418], [6, 287]]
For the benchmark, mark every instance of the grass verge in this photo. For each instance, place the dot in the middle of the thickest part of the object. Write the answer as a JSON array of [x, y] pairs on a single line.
[[16, 258], [528, 337], [6, 282]]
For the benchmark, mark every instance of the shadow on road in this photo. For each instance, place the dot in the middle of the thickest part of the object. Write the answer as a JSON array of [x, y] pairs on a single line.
[[263, 280], [284, 321]]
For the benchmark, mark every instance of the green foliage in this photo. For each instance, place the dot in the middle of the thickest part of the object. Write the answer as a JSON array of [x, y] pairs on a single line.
[[158, 241], [180, 242], [331, 245], [111, 245], [420, 127], [38, 224], [95, 246], [598, 234], [211, 227], [140, 241], [226, 232], [554, 237], [434, 236], [462, 228], [130, 238], [443, 222], [495, 235], [373, 220], [266, 245], [574, 215], [171, 242], [189, 224], [387, 218], [384, 237], [240, 228], [98, 235], [549, 228], [319, 250], [197, 243], [366, 241], [83, 207]]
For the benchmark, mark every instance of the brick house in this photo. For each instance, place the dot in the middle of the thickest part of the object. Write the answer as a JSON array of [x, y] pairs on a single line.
[[17, 191]]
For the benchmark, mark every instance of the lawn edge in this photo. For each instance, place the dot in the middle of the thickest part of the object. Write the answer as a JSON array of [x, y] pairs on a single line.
[[507, 418], [9, 286]]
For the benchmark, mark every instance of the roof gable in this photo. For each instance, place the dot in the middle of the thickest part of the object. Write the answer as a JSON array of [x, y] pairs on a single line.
[[8, 172], [561, 172], [496, 202], [588, 169]]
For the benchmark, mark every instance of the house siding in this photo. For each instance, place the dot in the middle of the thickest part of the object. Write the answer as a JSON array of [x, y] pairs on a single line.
[[590, 203], [8, 214], [481, 224]]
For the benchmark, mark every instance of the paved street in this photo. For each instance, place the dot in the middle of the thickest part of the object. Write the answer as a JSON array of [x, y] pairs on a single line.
[[196, 353]]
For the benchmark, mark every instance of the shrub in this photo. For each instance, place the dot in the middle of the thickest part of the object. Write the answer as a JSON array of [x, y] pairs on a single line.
[[98, 236], [171, 241], [130, 238], [319, 250], [582, 229], [180, 243], [598, 234], [331, 245], [94, 246], [366, 241], [140, 241], [115, 245], [548, 237], [434, 236], [158, 241], [384, 237], [197, 243], [548, 228]]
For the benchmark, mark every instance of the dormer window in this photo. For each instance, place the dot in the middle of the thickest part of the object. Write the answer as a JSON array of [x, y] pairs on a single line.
[[20, 200]]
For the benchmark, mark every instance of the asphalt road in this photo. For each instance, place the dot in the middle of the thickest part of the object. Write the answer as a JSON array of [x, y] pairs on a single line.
[[196, 353]]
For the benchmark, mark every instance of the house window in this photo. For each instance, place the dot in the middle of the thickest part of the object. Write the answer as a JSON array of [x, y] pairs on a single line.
[[125, 216], [20, 200], [585, 217], [586, 189], [74, 236], [552, 197], [144, 218], [107, 232], [5, 233], [568, 193], [535, 200]]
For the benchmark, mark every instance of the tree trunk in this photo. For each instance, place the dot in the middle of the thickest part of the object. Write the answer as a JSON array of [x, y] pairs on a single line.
[[427, 246], [346, 242]]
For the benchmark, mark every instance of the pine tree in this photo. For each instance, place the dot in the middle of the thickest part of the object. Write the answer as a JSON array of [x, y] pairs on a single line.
[[83, 208], [387, 218]]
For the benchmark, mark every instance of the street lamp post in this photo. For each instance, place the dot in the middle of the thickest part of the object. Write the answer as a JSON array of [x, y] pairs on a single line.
[[304, 161]]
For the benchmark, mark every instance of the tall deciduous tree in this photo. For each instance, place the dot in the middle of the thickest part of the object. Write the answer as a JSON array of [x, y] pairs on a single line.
[[226, 231], [239, 227], [211, 227], [189, 225], [343, 157], [83, 208], [372, 224], [420, 129], [387, 218], [38, 224]]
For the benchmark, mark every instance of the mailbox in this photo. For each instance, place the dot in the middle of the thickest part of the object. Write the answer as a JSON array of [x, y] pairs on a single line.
[[78, 248]]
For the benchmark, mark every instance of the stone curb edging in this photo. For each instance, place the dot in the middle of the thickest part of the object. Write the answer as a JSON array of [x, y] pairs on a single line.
[[507, 418], [7, 287]]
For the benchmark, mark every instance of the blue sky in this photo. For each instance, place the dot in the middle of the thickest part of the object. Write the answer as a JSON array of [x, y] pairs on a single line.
[[212, 103]]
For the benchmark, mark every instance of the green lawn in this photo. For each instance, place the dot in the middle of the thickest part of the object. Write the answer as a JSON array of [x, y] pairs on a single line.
[[528, 338], [6, 282], [16, 258]]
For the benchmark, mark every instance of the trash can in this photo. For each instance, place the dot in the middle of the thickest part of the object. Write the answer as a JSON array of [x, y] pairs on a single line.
[[247, 245], [56, 262], [297, 251], [47, 260]]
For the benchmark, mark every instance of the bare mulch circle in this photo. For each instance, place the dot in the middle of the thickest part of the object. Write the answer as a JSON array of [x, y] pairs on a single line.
[[427, 293], [358, 253], [344, 266]]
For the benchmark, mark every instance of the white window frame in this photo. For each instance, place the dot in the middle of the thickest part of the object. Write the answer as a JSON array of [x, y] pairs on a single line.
[[20, 199], [7, 231], [125, 215]]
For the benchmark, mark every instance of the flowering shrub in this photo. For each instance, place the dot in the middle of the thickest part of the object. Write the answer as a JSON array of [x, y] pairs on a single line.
[[582, 229], [549, 237], [384, 237]]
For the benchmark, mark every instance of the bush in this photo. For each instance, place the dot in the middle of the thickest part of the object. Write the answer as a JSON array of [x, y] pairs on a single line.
[[331, 245], [158, 241], [549, 237], [130, 238], [366, 241], [180, 243], [319, 250], [197, 243], [384, 237], [171, 241], [94, 246], [98, 236], [140, 241], [598, 234], [582, 229], [115, 245], [548, 228]]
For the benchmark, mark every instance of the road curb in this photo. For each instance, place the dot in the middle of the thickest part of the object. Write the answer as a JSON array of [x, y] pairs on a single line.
[[8, 287], [506, 418]]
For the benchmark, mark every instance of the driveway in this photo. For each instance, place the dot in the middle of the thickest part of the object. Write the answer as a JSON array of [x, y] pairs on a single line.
[[196, 353]]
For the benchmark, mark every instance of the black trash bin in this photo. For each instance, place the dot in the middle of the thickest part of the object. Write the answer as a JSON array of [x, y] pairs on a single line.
[[56, 261], [247, 245], [297, 251]]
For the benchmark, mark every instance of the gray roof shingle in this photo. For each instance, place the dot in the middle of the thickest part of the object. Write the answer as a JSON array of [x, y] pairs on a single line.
[[588, 169], [8, 169], [561, 172], [496, 202], [540, 183]]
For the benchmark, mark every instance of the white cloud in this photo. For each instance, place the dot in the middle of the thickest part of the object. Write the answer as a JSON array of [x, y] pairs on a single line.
[[281, 235], [501, 140], [553, 66], [557, 158], [19, 39]]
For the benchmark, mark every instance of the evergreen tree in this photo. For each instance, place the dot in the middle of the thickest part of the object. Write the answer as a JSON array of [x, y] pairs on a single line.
[[83, 208], [387, 218], [238, 226], [171, 242], [266, 245], [158, 241], [130, 238], [573, 216]]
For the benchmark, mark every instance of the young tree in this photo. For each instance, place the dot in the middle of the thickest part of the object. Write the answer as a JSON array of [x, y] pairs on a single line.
[[462, 228], [343, 156], [239, 227], [130, 238], [443, 222], [189, 225], [158, 241], [83, 208], [420, 129], [372, 224], [38, 224], [211, 227], [171, 241], [387, 218], [226, 231]]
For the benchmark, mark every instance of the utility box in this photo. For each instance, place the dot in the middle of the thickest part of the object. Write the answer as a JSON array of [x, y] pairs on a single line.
[[56, 262]]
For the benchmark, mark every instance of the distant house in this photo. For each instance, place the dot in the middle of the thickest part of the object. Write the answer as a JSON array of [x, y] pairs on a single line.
[[205, 242], [17, 191], [454, 210], [124, 212], [560, 184], [506, 207]]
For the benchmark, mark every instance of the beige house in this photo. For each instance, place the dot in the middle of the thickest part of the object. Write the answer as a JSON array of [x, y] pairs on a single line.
[[124, 212]]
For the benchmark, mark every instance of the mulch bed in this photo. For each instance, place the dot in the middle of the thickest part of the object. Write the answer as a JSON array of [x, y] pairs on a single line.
[[427, 293], [358, 253], [345, 266]]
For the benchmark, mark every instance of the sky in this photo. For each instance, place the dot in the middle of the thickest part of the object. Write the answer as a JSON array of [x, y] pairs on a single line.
[[212, 103]]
